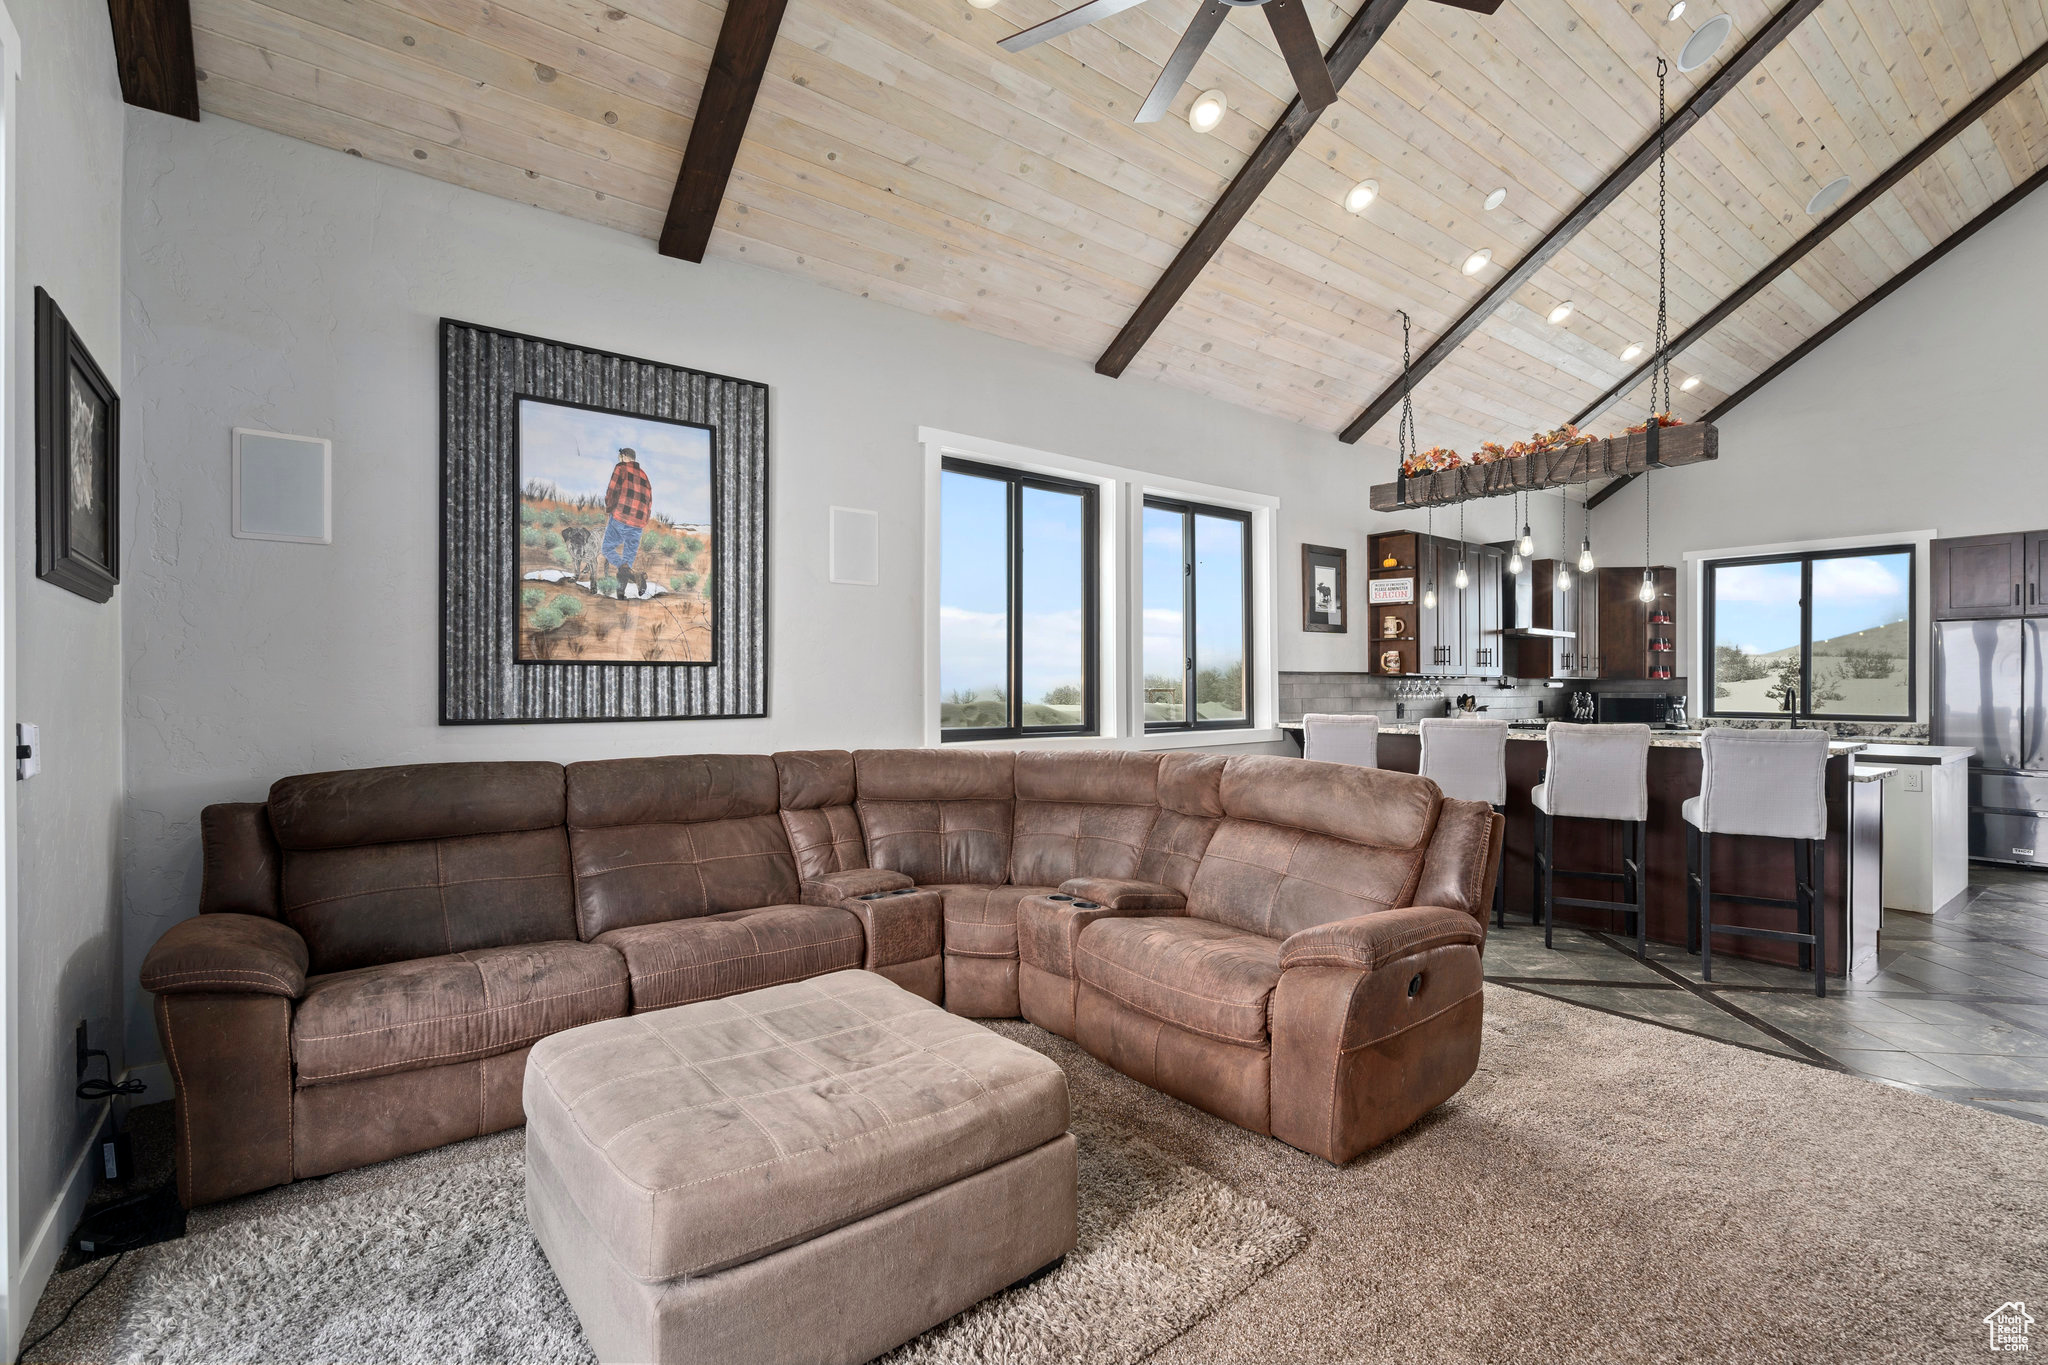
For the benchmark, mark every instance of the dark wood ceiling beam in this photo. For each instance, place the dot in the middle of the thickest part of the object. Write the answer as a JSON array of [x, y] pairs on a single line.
[[1609, 190], [1862, 306], [737, 65], [1992, 97], [153, 52], [1345, 56]]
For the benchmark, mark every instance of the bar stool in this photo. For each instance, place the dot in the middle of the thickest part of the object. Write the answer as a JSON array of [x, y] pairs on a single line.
[[1342, 739], [1596, 772], [1468, 759], [1772, 784]]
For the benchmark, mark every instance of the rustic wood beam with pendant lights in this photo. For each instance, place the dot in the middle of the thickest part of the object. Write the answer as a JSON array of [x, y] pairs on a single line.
[[1609, 190], [153, 54], [738, 63], [1346, 55], [1970, 115]]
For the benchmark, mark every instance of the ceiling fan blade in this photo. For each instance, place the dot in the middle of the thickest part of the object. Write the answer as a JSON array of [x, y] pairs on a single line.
[[1174, 74], [1078, 17], [1304, 55]]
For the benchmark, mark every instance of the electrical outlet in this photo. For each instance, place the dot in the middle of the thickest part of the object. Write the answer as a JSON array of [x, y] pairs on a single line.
[[1916, 780]]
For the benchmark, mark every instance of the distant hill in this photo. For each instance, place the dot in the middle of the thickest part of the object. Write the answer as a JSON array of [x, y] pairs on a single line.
[[1892, 639]]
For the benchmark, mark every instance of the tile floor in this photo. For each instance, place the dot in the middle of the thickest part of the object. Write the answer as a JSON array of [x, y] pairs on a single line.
[[1959, 1007]]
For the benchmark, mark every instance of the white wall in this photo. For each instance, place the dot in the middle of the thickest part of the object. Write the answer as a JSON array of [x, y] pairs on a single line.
[[1928, 412], [279, 285], [66, 651]]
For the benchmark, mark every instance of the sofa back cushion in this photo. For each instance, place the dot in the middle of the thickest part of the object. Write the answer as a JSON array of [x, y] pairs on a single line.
[[937, 815], [385, 864], [1084, 814], [672, 838], [1190, 808], [1302, 844], [818, 813]]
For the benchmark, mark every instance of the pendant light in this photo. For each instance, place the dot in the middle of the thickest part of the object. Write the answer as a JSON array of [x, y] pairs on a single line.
[[1463, 579], [1515, 555], [1661, 363], [1526, 546], [1429, 531], [1564, 511], [1586, 533]]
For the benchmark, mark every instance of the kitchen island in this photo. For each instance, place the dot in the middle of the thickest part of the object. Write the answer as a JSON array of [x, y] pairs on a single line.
[[1743, 866]]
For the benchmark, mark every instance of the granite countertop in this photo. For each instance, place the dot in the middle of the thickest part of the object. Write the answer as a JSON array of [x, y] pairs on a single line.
[[1659, 739]]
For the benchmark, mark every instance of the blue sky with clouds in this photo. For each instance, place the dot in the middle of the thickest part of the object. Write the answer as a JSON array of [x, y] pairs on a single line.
[[1756, 606], [575, 449]]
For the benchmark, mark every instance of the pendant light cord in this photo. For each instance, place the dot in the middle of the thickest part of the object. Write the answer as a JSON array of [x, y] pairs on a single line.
[[1663, 366]]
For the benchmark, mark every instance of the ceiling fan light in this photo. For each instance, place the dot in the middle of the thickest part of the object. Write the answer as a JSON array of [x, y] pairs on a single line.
[[1692, 382], [1561, 312], [1676, 10], [1476, 262], [1359, 197], [1496, 199], [1207, 111]]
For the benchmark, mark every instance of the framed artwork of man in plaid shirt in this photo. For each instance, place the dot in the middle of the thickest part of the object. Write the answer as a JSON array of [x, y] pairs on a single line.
[[615, 537]]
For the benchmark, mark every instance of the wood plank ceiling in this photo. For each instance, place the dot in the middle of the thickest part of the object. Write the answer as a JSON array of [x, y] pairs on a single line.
[[895, 152]]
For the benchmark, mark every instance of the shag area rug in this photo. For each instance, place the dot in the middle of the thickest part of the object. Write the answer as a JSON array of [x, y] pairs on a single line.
[[429, 1259], [1602, 1190]]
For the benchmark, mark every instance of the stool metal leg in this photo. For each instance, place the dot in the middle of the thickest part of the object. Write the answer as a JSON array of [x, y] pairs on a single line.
[[1706, 906], [1692, 888], [1819, 917], [1802, 897], [1642, 878], [1549, 875]]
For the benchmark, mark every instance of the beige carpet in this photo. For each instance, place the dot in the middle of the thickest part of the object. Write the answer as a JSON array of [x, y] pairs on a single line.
[[1603, 1190]]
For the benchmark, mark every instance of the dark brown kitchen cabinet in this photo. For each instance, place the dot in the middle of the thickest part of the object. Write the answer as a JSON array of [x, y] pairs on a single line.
[[1553, 605], [1638, 639], [1976, 576], [1458, 634], [1487, 657], [2037, 573]]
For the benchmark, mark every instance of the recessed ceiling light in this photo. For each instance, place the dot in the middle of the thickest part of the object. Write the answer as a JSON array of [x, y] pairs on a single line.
[[1676, 10], [983, 4], [1706, 40], [1496, 199], [1207, 110], [1476, 262], [1359, 197], [1692, 382], [1632, 350], [1828, 195], [1561, 312]]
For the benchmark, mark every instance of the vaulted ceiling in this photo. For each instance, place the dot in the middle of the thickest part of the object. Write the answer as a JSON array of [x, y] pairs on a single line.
[[895, 152]]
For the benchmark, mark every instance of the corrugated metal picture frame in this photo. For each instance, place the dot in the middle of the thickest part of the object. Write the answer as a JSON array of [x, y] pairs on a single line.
[[484, 374]]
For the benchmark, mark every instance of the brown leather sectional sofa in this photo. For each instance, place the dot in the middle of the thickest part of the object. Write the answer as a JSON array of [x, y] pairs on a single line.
[[1292, 946]]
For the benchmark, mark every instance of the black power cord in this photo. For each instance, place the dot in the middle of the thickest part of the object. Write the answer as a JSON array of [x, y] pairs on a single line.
[[93, 1088], [56, 1326]]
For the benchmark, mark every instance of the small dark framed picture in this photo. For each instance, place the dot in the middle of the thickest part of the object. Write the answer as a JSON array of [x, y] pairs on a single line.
[[1324, 589], [78, 462]]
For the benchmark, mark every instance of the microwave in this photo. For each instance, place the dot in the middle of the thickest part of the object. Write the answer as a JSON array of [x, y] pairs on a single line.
[[1660, 712]]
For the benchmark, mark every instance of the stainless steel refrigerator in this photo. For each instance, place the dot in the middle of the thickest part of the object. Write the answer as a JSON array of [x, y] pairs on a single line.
[[1991, 694]]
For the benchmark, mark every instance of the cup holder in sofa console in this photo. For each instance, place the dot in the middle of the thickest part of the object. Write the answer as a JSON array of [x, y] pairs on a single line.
[[1087, 905], [1415, 985]]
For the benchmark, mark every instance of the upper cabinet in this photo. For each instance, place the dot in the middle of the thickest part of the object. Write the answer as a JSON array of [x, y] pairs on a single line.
[[1987, 576], [1458, 637], [2037, 574], [1638, 639]]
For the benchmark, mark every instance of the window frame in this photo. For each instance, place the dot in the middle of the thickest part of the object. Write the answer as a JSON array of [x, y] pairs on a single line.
[[1015, 481], [1805, 559], [1188, 509]]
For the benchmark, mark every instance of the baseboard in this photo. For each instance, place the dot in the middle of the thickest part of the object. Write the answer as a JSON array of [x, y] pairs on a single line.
[[39, 1259], [156, 1076]]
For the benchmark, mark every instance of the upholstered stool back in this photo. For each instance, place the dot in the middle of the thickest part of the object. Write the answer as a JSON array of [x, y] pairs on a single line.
[[1596, 772], [1342, 739], [1468, 759], [1767, 782]]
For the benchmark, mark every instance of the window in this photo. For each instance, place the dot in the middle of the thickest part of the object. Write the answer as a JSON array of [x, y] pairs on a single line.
[[1016, 604], [1825, 636], [1198, 616]]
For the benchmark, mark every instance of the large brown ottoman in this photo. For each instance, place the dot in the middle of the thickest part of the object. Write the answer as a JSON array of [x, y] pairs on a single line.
[[811, 1173]]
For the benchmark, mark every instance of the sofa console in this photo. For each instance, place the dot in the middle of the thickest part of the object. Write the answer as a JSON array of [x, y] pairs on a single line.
[[1291, 946]]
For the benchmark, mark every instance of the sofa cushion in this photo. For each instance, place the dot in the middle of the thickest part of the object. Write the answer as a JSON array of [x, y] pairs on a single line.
[[981, 921], [702, 1137], [363, 806], [817, 811], [434, 1011], [1082, 814], [658, 839], [1194, 974], [678, 961], [938, 815], [358, 907], [1190, 808]]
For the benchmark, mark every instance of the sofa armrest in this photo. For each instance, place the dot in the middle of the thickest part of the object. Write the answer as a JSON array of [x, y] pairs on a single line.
[[1366, 942], [839, 888], [227, 954], [902, 925], [1121, 893]]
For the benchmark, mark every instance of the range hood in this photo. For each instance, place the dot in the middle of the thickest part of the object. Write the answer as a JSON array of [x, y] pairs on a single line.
[[1518, 610]]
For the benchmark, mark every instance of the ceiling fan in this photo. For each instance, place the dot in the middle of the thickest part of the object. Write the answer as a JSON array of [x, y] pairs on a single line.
[[1291, 28]]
